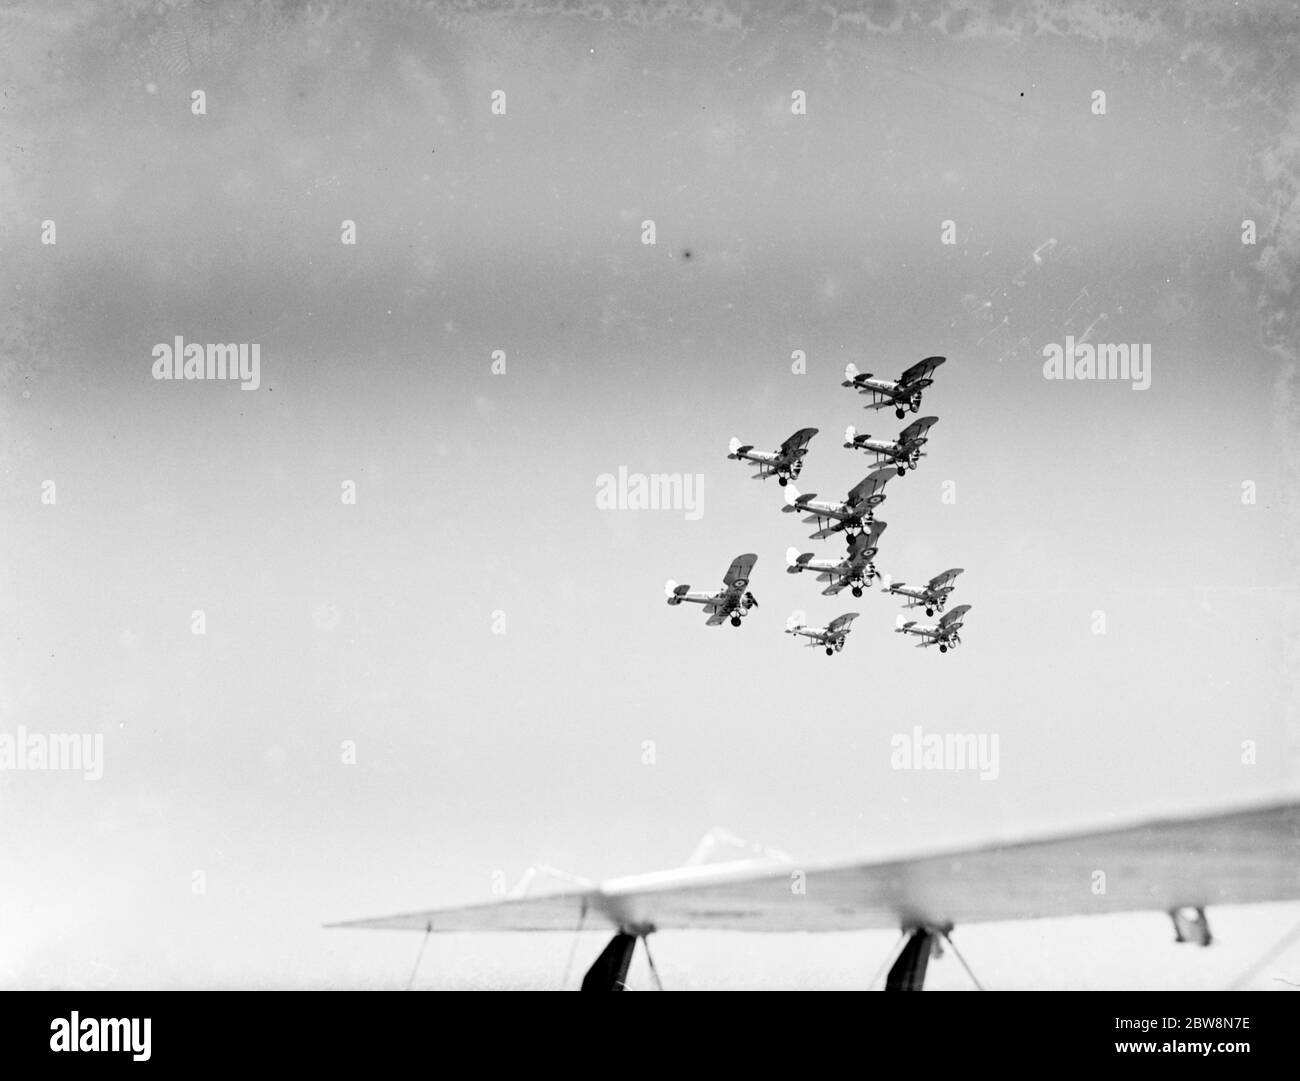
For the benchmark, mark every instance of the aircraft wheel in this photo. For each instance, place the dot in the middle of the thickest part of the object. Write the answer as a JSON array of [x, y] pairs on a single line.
[[830, 652], [943, 649], [782, 481], [900, 413], [857, 591], [901, 470], [929, 611], [735, 621]]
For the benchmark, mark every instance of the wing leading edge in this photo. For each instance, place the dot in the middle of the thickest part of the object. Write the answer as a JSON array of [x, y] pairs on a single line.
[[1237, 857]]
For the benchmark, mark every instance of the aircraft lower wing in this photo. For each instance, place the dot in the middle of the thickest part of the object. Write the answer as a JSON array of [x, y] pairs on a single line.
[[1238, 857]]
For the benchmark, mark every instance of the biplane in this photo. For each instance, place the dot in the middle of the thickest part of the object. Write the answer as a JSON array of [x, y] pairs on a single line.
[[932, 596], [830, 637], [855, 570], [784, 463], [903, 453], [943, 634], [733, 601], [854, 515], [903, 393]]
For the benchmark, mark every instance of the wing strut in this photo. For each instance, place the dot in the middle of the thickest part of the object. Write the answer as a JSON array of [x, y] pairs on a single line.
[[908, 972], [974, 979], [573, 949], [609, 973]]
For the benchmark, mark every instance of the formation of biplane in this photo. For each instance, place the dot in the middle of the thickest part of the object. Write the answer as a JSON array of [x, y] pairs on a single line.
[[854, 517], [1244, 856]]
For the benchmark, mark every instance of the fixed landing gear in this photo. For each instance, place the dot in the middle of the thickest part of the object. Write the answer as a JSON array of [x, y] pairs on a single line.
[[900, 412], [782, 481], [943, 649], [830, 652], [735, 621], [900, 470], [857, 591], [929, 611]]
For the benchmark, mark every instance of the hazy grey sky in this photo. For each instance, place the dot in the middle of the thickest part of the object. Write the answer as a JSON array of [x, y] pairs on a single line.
[[478, 753]]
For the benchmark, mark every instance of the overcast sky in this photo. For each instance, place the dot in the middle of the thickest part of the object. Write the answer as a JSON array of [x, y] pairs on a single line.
[[495, 645]]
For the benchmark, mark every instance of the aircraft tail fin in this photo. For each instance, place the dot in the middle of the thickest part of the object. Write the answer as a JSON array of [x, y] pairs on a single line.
[[797, 560], [794, 501]]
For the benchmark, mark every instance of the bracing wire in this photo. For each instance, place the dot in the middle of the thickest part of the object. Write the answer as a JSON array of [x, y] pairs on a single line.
[[957, 954], [573, 948], [419, 956], [889, 959], [1255, 969], [659, 984]]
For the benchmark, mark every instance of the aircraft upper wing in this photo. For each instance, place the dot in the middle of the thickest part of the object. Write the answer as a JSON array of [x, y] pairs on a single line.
[[955, 616], [840, 622], [922, 369], [917, 430], [941, 580], [1235, 857], [798, 441], [738, 573], [870, 486]]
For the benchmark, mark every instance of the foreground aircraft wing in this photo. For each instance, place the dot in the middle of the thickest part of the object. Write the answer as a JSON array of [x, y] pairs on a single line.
[[1235, 857], [840, 622]]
